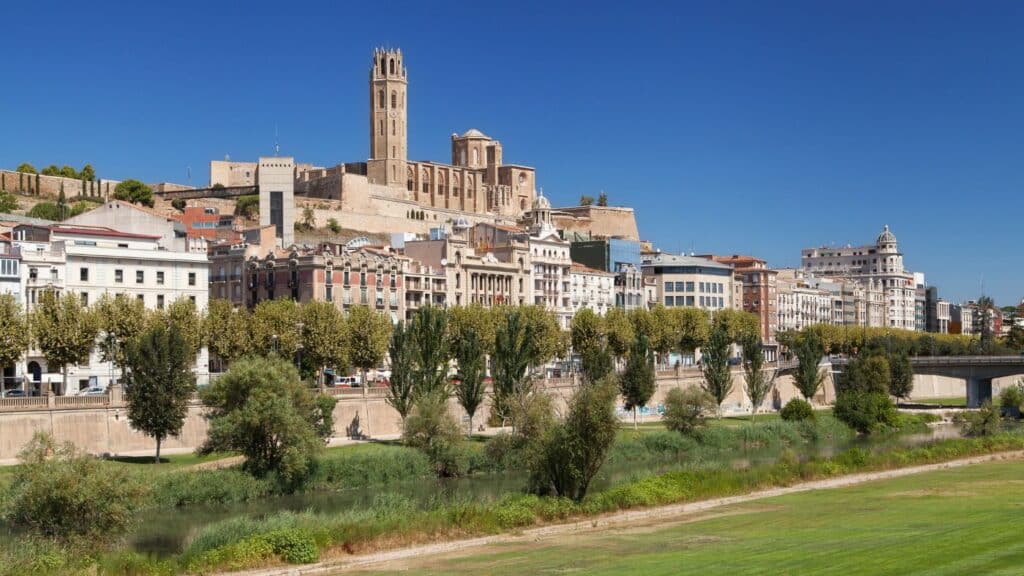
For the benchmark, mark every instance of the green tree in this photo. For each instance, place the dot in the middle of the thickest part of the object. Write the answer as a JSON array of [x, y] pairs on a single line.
[[159, 383], [901, 371], [179, 204], [512, 353], [64, 330], [666, 335], [226, 331], [333, 226], [182, 312], [470, 388], [69, 172], [402, 385], [637, 383], [14, 335], [88, 173], [62, 205], [715, 367], [45, 211], [548, 340], [248, 206], [986, 308], [367, 336], [685, 409], [758, 383], [694, 328], [1014, 338], [62, 493], [135, 192], [620, 331], [121, 320], [863, 401], [602, 199], [571, 453], [8, 202], [870, 373], [587, 331], [51, 170], [308, 218], [261, 409], [738, 325], [586, 200], [596, 363], [432, 429], [323, 336], [26, 168], [275, 328], [474, 318], [430, 348], [808, 377]]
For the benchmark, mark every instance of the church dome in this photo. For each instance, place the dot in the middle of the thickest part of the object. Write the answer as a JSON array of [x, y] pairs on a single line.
[[473, 133], [541, 203], [886, 237]]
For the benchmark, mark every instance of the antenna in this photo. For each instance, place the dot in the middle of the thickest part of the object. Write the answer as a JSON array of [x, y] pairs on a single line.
[[188, 173], [277, 147]]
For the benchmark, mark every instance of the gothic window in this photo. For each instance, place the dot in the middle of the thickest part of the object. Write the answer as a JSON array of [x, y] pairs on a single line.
[[380, 127], [476, 156], [380, 99], [409, 180], [394, 99], [391, 67]]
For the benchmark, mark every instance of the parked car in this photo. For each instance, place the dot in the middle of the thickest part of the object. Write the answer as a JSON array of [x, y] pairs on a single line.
[[351, 381], [15, 394], [94, 391]]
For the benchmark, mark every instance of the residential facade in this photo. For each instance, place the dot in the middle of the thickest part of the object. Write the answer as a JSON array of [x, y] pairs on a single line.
[[758, 285], [691, 281], [592, 288]]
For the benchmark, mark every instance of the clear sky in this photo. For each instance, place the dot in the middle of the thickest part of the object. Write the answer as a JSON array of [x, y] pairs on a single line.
[[732, 127]]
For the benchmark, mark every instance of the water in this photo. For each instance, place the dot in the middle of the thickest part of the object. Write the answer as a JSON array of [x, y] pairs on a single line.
[[168, 531]]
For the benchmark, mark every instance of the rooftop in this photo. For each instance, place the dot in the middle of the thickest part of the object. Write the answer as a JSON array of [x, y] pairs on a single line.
[[98, 231], [665, 259]]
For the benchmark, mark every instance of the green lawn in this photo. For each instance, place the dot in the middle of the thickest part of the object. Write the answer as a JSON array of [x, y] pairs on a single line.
[[954, 401], [951, 522]]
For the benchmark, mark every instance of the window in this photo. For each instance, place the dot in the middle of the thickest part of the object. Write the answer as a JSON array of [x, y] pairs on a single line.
[[140, 276], [83, 274], [141, 298], [394, 99], [191, 278], [329, 292], [85, 298], [362, 278], [160, 301], [192, 299], [380, 99], [689, 300], [689, 286], [668, 287], [669, 301], [344, 277], [160, 277], [679, 286]]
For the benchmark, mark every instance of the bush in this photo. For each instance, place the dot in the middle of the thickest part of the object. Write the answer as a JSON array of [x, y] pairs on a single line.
[[985, 421], [333, 226], [1011, 398], [134, 191], [866, 412], [685, 410], [248, 206], [8, 202], [46, 211], [64, 494], [179, 204], [797, 410], [432, 428]]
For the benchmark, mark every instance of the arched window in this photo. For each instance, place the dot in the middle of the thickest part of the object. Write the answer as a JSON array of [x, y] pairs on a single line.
[[476, 156], [381, 64], [394, 99], [391, 67], [394, 129], [380, 99]]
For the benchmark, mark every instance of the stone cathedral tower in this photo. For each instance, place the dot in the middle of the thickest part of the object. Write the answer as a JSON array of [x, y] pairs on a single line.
[[388, 136]]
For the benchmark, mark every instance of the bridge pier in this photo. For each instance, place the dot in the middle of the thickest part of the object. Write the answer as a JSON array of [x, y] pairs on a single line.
[[979, 391]]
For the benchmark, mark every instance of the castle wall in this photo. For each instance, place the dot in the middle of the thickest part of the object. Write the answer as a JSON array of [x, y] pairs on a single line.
[[51, 186], [598, 221]]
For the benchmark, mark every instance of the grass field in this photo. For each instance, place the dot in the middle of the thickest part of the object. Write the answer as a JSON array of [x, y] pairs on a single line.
[[951, 522], [953, 401]]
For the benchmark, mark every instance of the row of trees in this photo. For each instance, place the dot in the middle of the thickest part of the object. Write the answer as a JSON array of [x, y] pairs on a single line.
[[87, 172], [851, 340]]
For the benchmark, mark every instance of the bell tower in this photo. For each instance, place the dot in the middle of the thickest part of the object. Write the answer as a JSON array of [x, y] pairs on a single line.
[[388, 126]]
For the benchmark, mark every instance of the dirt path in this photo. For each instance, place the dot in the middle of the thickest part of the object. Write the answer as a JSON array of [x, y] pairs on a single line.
[[673, 513]]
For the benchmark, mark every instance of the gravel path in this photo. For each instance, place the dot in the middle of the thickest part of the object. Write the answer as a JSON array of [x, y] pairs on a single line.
[[613, 520]]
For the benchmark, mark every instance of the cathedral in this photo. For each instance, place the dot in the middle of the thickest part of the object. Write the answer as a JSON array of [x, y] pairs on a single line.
[[388, 192]]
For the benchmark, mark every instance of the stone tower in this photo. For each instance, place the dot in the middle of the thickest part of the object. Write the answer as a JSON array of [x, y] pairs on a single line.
[[388, 126]]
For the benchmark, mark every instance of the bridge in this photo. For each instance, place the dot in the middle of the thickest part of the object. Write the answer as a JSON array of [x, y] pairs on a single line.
[[976, 371], [215, 192]]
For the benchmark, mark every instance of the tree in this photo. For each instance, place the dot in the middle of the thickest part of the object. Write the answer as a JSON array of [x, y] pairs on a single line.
[[869, 373], [470, 388], [179, 204], [758, 383], [69, 172], [226, 331], [715, 367], [248, 206], [637, 382], [602, 199], [88, 173], [183, 313], [8, 202], [570, 453], [14, 335], [324, 336], [738, 325], [45, 211], [275, 328], [1014, 338], [51, 170], [432, 428], [588, 340], [513, 350], [333, 226], [685, 409], [863, 401], [121, 320], [586, 200], [901, 373], [367, 334], [159, 383], [261, 409], [62, 205], [402, 385], [62, 493], [475, 319], [26, 168], [619, 331], [665, 336], [547, 339], [694, 328], [808, 378], [64, 330], [308, 218], [135, 192]]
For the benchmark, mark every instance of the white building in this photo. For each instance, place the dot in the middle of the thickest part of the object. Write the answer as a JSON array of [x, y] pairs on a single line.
[[690, 281], [592, 288], [799, 304], [881, 263], [92, 261], [550, 264], [134, 219]]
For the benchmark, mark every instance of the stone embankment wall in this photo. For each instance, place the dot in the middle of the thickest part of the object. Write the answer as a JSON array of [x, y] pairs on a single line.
[[51, 186]]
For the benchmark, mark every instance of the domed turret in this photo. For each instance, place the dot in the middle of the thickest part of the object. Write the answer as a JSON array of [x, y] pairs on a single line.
[[886, 237], [541, 202]]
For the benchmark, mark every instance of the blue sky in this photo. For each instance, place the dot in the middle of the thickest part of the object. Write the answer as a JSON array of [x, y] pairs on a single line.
[[731, 127]]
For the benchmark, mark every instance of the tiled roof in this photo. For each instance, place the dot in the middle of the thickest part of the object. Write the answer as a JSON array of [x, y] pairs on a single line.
[[99, 231]]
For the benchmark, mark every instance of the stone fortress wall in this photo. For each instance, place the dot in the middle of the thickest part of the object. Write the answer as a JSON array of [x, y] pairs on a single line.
[[51, 186]]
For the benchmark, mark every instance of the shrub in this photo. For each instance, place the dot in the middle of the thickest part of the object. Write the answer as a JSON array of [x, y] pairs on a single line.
[[179, 204], [333, 226], [432, 428], [134, 191], [8, 202], [797, 410], [248, 206], [1011, 398], [65, 494], [46, 211], [686, 409], [866, 412], [985, 421]]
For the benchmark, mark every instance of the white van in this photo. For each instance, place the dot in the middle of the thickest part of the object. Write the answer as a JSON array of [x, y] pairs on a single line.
[[350, 381]]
